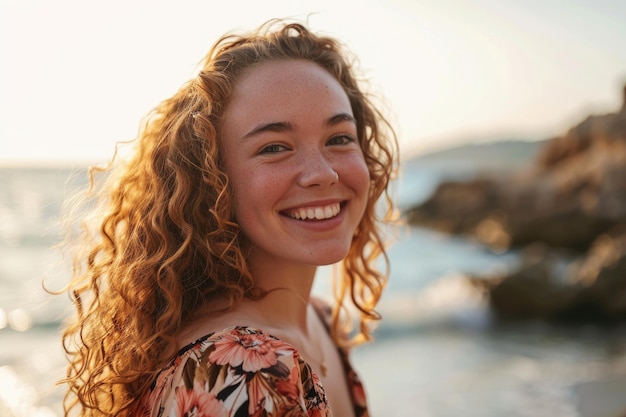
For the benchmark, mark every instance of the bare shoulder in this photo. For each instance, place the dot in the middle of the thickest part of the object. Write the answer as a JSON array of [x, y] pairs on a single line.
[[208, 324]]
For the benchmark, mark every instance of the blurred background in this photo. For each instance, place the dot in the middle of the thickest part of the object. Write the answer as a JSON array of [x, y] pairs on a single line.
[[508, 284]]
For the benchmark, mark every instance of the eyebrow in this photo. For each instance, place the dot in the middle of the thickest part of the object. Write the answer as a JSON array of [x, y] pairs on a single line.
[[340, 118], [286, 126], [270, 127]]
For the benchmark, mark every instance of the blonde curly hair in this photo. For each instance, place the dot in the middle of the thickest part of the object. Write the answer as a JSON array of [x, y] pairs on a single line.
[[166, 241]]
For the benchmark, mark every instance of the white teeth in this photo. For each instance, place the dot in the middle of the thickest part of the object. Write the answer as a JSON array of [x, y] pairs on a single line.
[[317, 213]]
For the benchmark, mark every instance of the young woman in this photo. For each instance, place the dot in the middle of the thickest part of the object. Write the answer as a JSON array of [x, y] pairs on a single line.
[[193, 295]]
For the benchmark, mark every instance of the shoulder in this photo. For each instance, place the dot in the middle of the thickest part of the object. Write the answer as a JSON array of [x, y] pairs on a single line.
[[238, 371]]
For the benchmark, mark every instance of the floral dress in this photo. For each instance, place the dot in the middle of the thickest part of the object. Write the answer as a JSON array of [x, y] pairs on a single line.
[[242, 371]]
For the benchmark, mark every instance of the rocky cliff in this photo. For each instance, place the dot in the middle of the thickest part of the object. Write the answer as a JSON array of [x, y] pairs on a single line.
[[565, 212]]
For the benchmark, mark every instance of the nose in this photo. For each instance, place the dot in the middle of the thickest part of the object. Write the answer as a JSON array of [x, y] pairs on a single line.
[[316, 171]]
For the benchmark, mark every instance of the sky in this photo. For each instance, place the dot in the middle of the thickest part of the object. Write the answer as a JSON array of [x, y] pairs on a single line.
[[77, 76]]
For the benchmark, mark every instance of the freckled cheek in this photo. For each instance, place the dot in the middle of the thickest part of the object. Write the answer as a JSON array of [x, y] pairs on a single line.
[[357, 174], [255, 188]]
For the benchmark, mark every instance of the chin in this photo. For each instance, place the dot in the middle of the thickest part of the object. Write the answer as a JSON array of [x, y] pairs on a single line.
[[331, 258]]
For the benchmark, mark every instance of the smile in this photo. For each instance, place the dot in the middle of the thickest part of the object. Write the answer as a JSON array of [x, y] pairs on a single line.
[[315, 213]]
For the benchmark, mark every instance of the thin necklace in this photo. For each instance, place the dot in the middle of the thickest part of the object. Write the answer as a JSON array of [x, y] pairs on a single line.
[[320, 348]]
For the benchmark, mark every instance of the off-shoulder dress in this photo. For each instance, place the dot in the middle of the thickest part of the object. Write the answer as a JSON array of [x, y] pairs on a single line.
[[243, 371]]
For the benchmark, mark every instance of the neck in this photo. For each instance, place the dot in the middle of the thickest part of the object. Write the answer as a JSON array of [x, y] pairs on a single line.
[[285, 311], [288, 290]]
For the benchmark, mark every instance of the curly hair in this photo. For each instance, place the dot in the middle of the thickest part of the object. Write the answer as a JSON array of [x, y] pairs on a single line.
[[164, 240]]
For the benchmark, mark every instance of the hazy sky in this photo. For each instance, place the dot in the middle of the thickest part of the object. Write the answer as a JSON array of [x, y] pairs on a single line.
[[77, 76]]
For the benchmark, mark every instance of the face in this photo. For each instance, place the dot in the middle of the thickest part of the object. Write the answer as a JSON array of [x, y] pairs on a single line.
[[299, 179]]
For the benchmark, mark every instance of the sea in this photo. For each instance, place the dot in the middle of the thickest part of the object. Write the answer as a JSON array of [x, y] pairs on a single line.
[[438, 352]]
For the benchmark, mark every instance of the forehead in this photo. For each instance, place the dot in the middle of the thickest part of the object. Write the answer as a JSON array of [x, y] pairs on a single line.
[[280, 86], [295, 72]]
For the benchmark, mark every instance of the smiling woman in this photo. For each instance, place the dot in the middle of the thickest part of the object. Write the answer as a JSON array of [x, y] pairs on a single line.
[[194, 295], [309, 162]]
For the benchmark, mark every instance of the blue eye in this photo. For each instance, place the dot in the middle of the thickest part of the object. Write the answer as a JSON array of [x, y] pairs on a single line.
[[343, 139]]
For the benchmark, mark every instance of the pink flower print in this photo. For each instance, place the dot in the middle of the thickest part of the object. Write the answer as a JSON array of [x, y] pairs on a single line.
[[320, 411], [290, 388], [258, 396], [316, 379], [150, 398], [198, 402], [250, 350]]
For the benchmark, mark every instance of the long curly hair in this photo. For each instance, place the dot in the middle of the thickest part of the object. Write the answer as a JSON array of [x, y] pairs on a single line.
[[160, 239]]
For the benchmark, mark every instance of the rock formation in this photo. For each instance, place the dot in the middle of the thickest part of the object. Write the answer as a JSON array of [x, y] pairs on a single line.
[[567, 215]]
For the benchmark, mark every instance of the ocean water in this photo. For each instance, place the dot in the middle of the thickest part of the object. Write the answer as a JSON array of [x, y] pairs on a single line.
[[438, 352]]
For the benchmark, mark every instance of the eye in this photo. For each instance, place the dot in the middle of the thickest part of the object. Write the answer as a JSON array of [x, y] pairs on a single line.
[[342, 139], [272, 148]]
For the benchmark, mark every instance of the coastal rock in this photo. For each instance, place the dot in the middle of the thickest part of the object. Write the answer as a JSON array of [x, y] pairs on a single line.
[[602, 276], [566, 213], [537, 289], [561, 286], [457, 207], [574, 192]]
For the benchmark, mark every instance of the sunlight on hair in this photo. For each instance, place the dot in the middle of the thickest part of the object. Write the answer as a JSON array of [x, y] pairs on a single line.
[[18, 398]]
